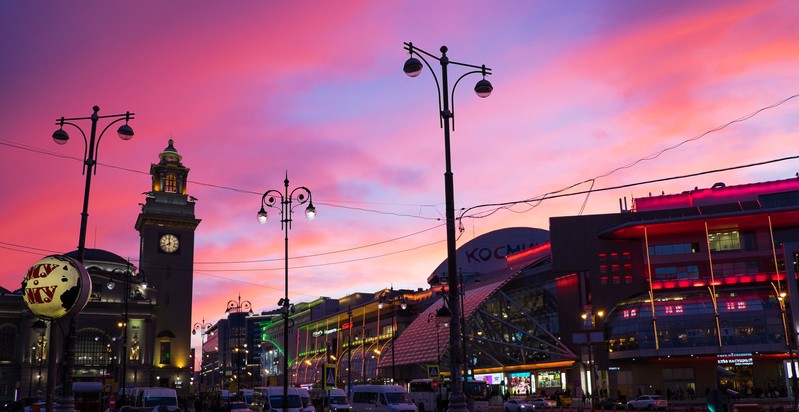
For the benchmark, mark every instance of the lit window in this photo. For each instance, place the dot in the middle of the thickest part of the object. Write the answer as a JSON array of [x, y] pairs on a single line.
[[628, 267], [628, 279], [629, 313], [617, 280], [669, 310], [603, 280], [166, 353], [626, 256], [603, 257], [614, 268], [603, 268], [724, 241], [737, 305], [171, 183], [614, 257]]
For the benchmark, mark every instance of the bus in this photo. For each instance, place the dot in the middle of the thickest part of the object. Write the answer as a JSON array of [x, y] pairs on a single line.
[[426, 394]]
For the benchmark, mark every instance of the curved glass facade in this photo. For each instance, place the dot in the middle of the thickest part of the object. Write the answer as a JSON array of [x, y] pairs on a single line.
[[516, 326], [686, 320]]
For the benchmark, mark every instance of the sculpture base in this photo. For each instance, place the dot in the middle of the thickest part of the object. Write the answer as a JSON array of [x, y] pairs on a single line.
[[457, 402]]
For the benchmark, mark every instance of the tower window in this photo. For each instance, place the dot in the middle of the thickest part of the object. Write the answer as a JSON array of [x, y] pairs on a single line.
[[171, 183], [166, 353]]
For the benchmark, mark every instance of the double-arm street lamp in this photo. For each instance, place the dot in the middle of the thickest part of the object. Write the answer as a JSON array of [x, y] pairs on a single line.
[[238, 306], [284, 202], [394, 298], [202, 327], [446, 105], [442, 316], [127, 278], [91, 147]]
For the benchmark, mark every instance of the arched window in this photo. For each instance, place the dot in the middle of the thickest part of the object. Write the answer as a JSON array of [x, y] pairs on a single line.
[[8, 341], [93, 347], [171, 183]]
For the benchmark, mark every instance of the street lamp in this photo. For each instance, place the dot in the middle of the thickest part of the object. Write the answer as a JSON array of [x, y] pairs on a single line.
[[781, 299], [126, 280], [349, 349], [589, 316], [413, 67], [238, 306], [270, 198], [393, 298], [39, 328], [441, 316], [91, 148], [203, 328]]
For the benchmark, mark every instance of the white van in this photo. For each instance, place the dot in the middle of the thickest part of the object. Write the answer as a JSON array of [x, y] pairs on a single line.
[[270, 399], [426, 394], [381, 398], [330, 400], [305, 397], [152, 397]]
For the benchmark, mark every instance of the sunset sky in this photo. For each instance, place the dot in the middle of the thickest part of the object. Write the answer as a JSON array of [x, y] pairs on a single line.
[[587, 95]]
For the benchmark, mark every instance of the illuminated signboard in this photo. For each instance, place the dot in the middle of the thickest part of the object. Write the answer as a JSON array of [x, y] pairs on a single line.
[[56, 286], [740, 359], [323, 332]]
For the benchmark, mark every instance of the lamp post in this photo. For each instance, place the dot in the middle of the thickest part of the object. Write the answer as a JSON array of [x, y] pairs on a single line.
[[203, 328], [349, 349], [413, 67], [32, 354], [91, 148], [589, 316], [127, 279], [441, 316], [39, 327], [270, 198], [238, 306], [393, 298], [781, 299]]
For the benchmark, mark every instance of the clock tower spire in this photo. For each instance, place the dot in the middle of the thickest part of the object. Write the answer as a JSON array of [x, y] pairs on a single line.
[[166, 227]]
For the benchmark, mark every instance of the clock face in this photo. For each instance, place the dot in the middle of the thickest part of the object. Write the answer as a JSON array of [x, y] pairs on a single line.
[[169, 243]]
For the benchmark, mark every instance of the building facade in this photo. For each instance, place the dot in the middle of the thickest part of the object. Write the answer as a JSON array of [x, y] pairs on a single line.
[[135, 329], [687, 283]]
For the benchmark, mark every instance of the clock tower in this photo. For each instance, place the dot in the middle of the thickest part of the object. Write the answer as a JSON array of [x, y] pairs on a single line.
[[166, 227]]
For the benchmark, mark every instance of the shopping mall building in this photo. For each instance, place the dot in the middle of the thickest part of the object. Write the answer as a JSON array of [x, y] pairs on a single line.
[[650, 299]]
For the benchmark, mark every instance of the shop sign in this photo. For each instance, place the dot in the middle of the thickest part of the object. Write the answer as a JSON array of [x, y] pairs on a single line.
[[738, 359], [56, 286], [324, 332], [490, 378]]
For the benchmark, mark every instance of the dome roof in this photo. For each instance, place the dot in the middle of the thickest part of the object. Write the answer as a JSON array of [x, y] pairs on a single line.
[[99, 255], [170, 154]]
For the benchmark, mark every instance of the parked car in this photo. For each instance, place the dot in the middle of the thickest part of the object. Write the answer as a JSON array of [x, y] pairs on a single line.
[[610, 404], [518, 405], [541, 402], [650, 402]]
